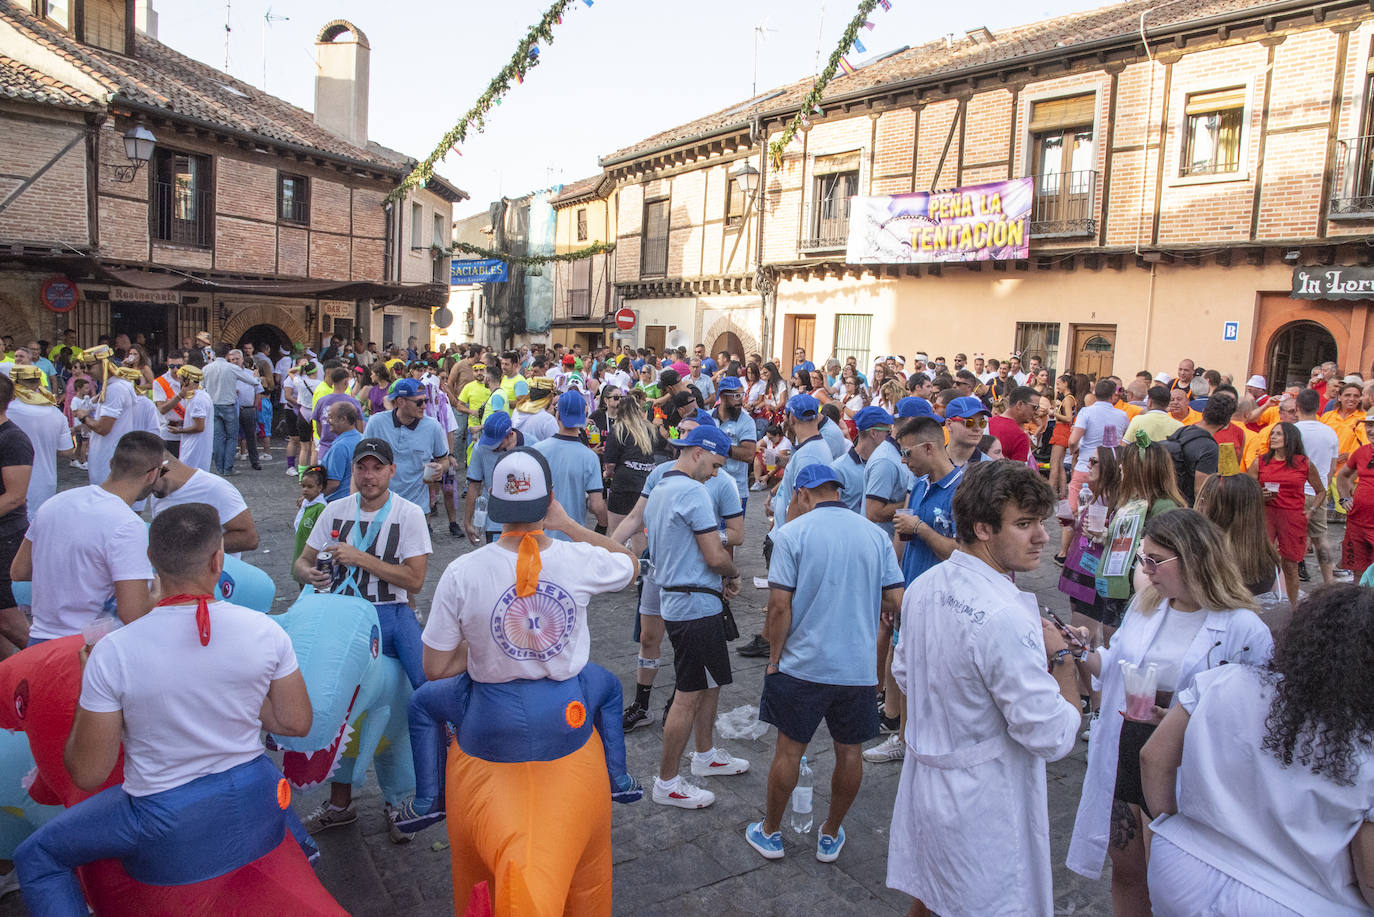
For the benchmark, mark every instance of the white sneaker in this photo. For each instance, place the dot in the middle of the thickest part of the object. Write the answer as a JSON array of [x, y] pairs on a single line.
[[292, 472], [717, 763], [680, 793], [757, 486], [893, 748]]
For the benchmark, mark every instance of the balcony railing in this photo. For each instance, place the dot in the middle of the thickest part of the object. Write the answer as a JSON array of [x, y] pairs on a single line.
[[182, 215], [1065, 204], [825, 228], [1352, 193], [655, 257], [579, 304]]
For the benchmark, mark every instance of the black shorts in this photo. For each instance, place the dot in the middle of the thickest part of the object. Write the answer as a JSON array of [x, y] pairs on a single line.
[[621, 502], [9, 546], [797, 706], [1105, 611], [701, 658], [1128, 786], [291, 422]]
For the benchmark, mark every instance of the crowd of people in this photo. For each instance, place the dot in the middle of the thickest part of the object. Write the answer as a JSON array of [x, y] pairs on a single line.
[[1228, 719]]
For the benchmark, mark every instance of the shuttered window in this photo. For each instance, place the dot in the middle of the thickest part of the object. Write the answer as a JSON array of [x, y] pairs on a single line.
[[852, 338], [1203, 103], [1062, 114], [839, 162], [1213, 131]]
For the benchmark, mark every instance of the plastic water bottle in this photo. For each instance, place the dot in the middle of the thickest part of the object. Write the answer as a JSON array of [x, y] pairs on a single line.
[[479, 512], [799, 820]]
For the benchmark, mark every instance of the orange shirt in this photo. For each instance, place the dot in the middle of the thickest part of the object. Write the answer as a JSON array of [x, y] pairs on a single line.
[[1349, 430], [1130, 409], [1190, 418], [1256, 444]]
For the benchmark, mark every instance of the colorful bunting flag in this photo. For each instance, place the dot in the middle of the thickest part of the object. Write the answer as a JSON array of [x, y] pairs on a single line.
[[846, 66], [886, 5], [868, 25], [859, 47]]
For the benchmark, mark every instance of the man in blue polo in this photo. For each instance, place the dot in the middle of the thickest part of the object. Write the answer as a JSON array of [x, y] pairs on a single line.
[[966, 420], [577, 481], [924, 539], [497, 438], [736, 423], [873, 424], [833, 575], [886, 480], [803, 419], [415, 440]]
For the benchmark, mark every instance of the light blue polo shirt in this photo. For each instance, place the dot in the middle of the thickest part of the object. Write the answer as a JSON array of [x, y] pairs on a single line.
[[725, 498], [850, 469], [813, 451], [412, 448], [338, 464], [934, 503], [886, 478], [837, 565], [834, 438], [679, 509], [576, 473], [740, 430]]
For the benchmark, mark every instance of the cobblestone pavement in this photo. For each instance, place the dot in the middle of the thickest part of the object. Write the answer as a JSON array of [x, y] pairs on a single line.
[[667, 861]]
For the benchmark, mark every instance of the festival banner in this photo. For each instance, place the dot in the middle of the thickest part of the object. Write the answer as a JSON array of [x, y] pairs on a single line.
[[487, 270], [987, 222]]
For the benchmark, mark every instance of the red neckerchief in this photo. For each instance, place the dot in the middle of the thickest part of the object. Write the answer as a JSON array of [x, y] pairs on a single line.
[[202, 612]]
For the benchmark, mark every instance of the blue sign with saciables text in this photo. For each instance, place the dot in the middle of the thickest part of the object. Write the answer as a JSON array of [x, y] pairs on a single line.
[[487, 270]]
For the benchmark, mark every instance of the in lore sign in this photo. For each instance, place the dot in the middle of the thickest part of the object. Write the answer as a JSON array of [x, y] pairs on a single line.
[[1339, 282], [987, 222]]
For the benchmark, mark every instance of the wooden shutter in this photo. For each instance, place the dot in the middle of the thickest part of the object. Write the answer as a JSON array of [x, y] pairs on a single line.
[[840, 162], [1203, 103], [1062, 114]]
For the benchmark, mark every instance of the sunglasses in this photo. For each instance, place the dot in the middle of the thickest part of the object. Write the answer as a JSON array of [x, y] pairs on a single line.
[[976, 422], [1150, 565], [419, 402], [613, 397]]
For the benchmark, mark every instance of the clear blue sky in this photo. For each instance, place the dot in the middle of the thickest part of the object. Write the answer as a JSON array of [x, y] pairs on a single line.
[[617, 72]]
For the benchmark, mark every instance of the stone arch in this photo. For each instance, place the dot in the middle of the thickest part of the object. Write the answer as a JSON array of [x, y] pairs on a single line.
[[14, 319], [246, 318], [332, 30], [726, 324]]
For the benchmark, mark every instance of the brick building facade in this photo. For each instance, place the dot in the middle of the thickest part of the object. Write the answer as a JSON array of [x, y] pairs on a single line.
[[1180, 184], [253, 219]]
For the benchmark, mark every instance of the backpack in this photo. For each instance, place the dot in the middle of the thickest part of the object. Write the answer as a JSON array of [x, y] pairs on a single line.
[[1185, 468]]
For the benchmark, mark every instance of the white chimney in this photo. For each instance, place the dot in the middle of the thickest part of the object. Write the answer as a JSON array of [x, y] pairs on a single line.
[[341, 81], [145, 17]]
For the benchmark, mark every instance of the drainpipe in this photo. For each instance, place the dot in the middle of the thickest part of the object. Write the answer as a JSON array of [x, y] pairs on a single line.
[[763, 278], [1149, 313]]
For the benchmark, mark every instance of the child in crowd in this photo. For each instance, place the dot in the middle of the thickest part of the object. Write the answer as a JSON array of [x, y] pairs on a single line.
[[766, 469], [311, 504], [82, 405]]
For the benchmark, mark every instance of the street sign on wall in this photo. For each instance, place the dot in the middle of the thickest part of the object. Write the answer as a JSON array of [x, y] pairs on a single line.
[[625, 319], [1338, 282]]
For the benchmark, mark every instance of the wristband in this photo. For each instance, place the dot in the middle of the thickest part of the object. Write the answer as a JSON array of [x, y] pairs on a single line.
[[1059, 656]]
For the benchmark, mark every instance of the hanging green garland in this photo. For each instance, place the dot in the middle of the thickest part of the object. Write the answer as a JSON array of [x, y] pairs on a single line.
[[526, 56], [813, 98], [596, 248]]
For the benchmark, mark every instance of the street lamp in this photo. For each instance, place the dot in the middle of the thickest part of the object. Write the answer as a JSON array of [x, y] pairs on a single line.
[[746, 178], [138, 146]]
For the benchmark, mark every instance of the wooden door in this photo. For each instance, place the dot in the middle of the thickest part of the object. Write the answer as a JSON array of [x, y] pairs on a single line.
[[1094, 347], [655, 336], [800, 331]]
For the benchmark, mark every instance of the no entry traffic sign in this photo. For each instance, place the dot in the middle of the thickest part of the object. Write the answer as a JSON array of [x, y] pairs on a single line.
[[625, 319]]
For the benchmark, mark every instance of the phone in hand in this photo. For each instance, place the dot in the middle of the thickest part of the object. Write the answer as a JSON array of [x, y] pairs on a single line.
[[1069, 633]]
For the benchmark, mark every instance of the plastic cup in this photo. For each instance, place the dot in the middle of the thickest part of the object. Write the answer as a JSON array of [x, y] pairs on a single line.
[[904, 512], [95, 629], [1097, 517], [1272, 486], [1140, 683], [1064, 511]]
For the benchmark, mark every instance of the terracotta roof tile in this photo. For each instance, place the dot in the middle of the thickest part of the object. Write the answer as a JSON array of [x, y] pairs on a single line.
[[19, 81], [1120, 20], [580, 188]]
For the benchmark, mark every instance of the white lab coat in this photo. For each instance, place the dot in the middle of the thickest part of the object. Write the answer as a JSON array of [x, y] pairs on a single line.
[[970, 828], [1225, 636]]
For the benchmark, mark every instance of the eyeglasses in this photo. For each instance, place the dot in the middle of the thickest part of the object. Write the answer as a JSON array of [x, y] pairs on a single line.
[[160, 469], [1150, 565], [1092, 462], [976, 422], [418, 402]]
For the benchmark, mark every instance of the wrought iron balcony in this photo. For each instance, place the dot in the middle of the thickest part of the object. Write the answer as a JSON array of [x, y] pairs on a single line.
[[1064, 205], [825, 228], [182, 214], [1352, 191]]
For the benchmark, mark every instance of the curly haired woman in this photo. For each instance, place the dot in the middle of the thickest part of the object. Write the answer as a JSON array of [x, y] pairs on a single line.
[[1262, 777]]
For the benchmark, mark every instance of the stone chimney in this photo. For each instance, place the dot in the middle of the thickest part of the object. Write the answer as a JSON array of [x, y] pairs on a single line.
[[341, 81], [145, 17]]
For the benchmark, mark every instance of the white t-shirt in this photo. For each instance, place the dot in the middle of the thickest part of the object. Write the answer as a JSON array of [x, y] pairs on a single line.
[[197, 449], [535, 427], [1093, 420], [146, 415], [189, 710], [83, 541], [1283, 831], [1322, 445], [81, 403], [543, 635], [203, 487], [46, 427], [771, 452], [159, 397], [619, 378], [284, 365], [119, 404], [404, 534]]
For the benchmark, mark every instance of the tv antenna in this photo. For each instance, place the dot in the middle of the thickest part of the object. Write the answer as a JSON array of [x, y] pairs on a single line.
[[267, 19], [227, 30], [760, 34]]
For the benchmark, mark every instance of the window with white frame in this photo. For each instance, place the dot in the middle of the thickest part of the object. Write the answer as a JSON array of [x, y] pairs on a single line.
[[1213, 132]]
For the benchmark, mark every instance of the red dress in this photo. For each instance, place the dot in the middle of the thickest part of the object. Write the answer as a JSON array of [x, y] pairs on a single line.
[[1357, 549], [1283, 514]]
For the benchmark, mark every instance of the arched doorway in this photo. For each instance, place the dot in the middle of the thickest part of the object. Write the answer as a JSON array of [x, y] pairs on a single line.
[[270, 335], [730, 343], [1294, 350]]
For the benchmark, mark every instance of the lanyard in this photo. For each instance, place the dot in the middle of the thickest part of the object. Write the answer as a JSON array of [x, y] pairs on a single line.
[[362, 542]]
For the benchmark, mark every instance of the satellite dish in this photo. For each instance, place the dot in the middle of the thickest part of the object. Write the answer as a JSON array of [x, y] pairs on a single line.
[[678, 338], [443, 318]]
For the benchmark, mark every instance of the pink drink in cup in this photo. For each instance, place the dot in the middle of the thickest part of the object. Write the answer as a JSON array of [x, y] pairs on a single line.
[[1140, 683]]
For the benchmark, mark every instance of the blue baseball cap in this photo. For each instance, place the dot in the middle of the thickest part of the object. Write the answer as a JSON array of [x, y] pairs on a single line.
[[704, 417], [407, 388], [729, 384], [708, 437], [871, 417], [495, 429], [572, 409], [816, 474], [968, 406], [803, 407], [913, 406]]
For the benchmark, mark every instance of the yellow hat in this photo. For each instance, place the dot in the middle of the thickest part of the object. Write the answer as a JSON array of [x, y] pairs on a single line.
[[99, 353], [26, 373], [129, 372], [31, 394], [189, 373], [1226, 459]]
